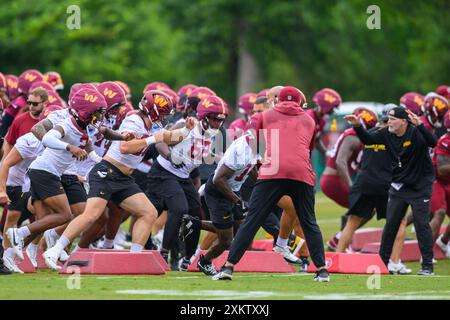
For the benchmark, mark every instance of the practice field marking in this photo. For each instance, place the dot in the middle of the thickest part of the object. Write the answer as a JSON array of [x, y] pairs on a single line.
[[232, 294], [214, 294]]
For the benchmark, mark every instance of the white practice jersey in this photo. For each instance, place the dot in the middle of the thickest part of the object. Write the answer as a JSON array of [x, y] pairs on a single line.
[[132, 123], [190, 152], [58, 161], [240, 158], [58, 116], [29, 147]]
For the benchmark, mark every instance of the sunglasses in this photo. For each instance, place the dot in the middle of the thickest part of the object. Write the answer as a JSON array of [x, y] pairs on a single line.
[[33, 103]]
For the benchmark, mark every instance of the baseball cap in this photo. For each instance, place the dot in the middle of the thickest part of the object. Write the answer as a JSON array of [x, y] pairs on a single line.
[[399, 113], [290, 94]]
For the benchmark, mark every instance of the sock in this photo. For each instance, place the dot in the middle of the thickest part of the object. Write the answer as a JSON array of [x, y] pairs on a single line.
[[54, 234], [62, 242], [338, 235], [32, 247], [9, 253], [23, 232], [76, 248], [136, 247], [282, 242], [108, 244]]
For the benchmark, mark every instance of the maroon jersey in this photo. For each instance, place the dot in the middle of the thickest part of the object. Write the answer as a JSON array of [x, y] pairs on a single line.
[[442, 148], [320, 124], [354, 160], [427, 124]]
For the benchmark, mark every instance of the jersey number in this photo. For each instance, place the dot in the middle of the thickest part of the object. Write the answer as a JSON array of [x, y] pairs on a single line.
[[200, 147]]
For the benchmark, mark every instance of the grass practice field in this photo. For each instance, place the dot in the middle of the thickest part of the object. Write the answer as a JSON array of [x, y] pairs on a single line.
[[180, 285]]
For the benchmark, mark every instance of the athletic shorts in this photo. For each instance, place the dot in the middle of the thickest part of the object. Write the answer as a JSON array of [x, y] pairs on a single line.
[[223, 212], [440, 198], [140, 178], [335, 188], [19, 200], [363, 205], [44, 184], [107, 182], [74, 189]]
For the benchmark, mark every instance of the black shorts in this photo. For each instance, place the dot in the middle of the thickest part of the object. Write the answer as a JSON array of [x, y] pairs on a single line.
[[109, 183], [140, 178], [223, 212], [19, 199], [164, 187], [74, 189], [362, 205], [44, 184]]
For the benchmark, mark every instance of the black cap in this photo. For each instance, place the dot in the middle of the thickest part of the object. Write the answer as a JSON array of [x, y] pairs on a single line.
[[399, 113]]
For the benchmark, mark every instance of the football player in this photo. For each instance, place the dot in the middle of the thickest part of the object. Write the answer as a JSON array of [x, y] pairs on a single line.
[[111, 178], [170, 185]]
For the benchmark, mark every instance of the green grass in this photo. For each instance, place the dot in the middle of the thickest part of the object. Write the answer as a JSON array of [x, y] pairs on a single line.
[[177, 285]]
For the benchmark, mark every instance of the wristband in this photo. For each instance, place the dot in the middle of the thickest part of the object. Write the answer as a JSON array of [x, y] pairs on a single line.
[[150, 140], [185, 132], [95, 157]]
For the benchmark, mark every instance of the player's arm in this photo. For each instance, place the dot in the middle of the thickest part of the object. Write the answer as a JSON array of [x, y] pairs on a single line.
[[10, 160], [110, 134], [220, 180], [443, 165], [348, 146], [169, 137], [41, 128], [366, 137], [52, 140]]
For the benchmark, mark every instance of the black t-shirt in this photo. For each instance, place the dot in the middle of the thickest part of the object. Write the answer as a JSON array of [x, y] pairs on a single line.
[[411, 162], [376, 169]]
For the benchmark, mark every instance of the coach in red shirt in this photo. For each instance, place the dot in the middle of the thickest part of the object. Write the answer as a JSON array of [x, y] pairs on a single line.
[[286, 170], [23, 123]]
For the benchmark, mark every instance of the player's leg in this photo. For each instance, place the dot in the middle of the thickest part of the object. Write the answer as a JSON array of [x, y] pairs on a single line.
[[94, 209], [144, 211], [353, 223], [286, 225]]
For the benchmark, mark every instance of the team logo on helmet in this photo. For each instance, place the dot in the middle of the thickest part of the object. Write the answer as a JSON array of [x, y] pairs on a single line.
[[368, 118]]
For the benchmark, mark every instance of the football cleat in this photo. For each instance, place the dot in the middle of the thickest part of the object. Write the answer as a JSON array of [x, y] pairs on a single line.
[[226, 273], [3, 269], [304, 265], [398, 268], [51, 257], [32, 255], [49, 239], [287, 255], [322, 275], [183, 264], [10, 263], [425, 272], [16, 241], [444, 247], [206, 266]]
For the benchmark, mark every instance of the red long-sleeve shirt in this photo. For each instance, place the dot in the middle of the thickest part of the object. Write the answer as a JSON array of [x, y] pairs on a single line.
[[289, 142]]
